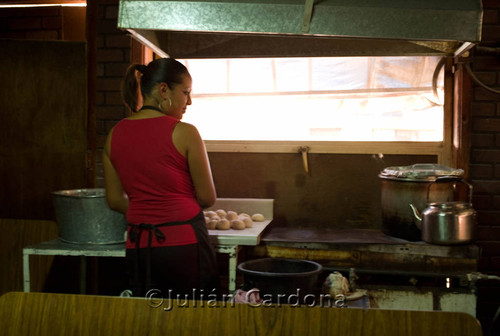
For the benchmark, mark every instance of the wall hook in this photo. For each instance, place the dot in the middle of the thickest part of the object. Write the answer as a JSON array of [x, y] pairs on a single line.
[[305, 150]]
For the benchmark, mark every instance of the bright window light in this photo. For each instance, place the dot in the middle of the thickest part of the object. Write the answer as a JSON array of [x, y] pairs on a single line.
[[318, 99]]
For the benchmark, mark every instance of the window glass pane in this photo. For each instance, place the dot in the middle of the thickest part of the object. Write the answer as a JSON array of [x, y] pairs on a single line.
[[250, 75], [317, 99], [214, 78], [339, 73], [398, 72], [292, 74]]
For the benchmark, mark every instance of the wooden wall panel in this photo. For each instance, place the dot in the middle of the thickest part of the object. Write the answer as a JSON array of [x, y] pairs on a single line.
[[17, 234], [43, 136], [341, 191]]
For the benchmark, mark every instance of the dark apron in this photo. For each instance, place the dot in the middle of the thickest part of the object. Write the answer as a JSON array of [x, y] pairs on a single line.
[[161, 263]]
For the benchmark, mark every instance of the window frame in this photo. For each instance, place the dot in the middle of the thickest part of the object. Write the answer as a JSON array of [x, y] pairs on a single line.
[[441, 149]]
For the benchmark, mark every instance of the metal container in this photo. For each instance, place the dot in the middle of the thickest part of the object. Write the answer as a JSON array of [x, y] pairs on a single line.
[[401, 186], [83, 217], [281, 279], [448, 223]]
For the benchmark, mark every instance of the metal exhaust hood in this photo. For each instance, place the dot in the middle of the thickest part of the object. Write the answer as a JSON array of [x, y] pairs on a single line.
[[307, 28]]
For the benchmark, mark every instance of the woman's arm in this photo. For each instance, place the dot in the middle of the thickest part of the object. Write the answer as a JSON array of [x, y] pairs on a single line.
[[115, 196], [189, 143]]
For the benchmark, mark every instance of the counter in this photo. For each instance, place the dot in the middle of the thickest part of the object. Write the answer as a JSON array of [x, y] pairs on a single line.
[[367, 249], [227, 241]]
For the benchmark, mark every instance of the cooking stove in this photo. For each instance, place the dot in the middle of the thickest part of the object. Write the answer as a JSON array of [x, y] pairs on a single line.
[[397, 274]]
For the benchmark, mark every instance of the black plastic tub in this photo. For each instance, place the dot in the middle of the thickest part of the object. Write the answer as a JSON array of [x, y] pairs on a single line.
[[281, 280]]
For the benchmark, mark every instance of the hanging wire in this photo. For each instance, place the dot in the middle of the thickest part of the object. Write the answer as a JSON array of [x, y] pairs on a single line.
[[435, 77], [469, 70]]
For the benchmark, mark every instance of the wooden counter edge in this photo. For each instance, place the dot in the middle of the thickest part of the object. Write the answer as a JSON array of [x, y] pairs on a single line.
[[68, 314]]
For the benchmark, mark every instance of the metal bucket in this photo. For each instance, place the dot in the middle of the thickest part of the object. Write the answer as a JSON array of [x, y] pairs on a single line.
[[83, 217]]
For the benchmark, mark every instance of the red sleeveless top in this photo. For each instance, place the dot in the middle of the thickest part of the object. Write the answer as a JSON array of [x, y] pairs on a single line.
[[153, 173]]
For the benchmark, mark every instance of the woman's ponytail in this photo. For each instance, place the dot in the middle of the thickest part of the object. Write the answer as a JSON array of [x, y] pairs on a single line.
[[130, 86]]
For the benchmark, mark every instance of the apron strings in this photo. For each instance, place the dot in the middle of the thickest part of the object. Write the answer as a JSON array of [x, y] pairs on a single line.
[[135, 237]]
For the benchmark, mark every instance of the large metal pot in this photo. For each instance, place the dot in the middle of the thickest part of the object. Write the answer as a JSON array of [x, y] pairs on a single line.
[[83, 217], [401, 186], [447, 223]]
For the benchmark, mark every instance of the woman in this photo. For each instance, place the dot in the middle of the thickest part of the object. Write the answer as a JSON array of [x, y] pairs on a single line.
[[157, 172]]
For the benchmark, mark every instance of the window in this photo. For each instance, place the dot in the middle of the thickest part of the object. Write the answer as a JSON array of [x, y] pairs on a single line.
[[277, 104]]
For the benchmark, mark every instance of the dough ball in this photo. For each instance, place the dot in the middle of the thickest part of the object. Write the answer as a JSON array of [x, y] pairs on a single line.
[[207, 219], [223, 224], [232, 215], [212, 224], [244, 215], [247, 220], [209, 213], [221, 213], [258, 217], [237, 224]]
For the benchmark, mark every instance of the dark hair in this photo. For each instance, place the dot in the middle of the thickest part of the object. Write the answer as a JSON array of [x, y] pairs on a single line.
[[162, 70]]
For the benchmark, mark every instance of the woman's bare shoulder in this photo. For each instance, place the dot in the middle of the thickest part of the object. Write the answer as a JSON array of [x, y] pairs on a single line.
[[186, 129]]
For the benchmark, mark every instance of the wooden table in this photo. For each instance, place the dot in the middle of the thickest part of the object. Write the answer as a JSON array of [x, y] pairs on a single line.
[[63, 314]]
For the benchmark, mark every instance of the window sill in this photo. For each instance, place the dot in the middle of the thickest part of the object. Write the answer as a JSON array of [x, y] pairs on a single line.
[[327, 147]]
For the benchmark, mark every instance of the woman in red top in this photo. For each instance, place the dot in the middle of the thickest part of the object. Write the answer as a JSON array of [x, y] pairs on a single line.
[[157, 172]]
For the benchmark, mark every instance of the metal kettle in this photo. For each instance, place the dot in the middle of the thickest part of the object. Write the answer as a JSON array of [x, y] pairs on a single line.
[[446, 223]]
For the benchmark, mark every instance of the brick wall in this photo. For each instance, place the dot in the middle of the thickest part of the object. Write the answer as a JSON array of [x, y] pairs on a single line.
[[485, 158], [113, 57], [44, 23]]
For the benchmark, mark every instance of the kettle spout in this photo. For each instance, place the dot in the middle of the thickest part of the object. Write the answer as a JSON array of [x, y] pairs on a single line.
[[417, 219]]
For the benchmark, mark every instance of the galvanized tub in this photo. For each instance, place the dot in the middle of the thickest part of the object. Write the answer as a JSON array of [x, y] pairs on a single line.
[[83, 217]]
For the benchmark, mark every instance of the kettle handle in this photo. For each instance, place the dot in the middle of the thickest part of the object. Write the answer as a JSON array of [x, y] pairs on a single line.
[[443, 179]]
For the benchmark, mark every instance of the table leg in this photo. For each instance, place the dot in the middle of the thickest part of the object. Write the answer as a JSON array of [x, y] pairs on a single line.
[[232, 250], [233, 260], [83, 274], [26, 272]]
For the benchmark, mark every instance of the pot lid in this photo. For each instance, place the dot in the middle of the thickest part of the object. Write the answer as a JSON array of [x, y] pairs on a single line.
[[420, 171]]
